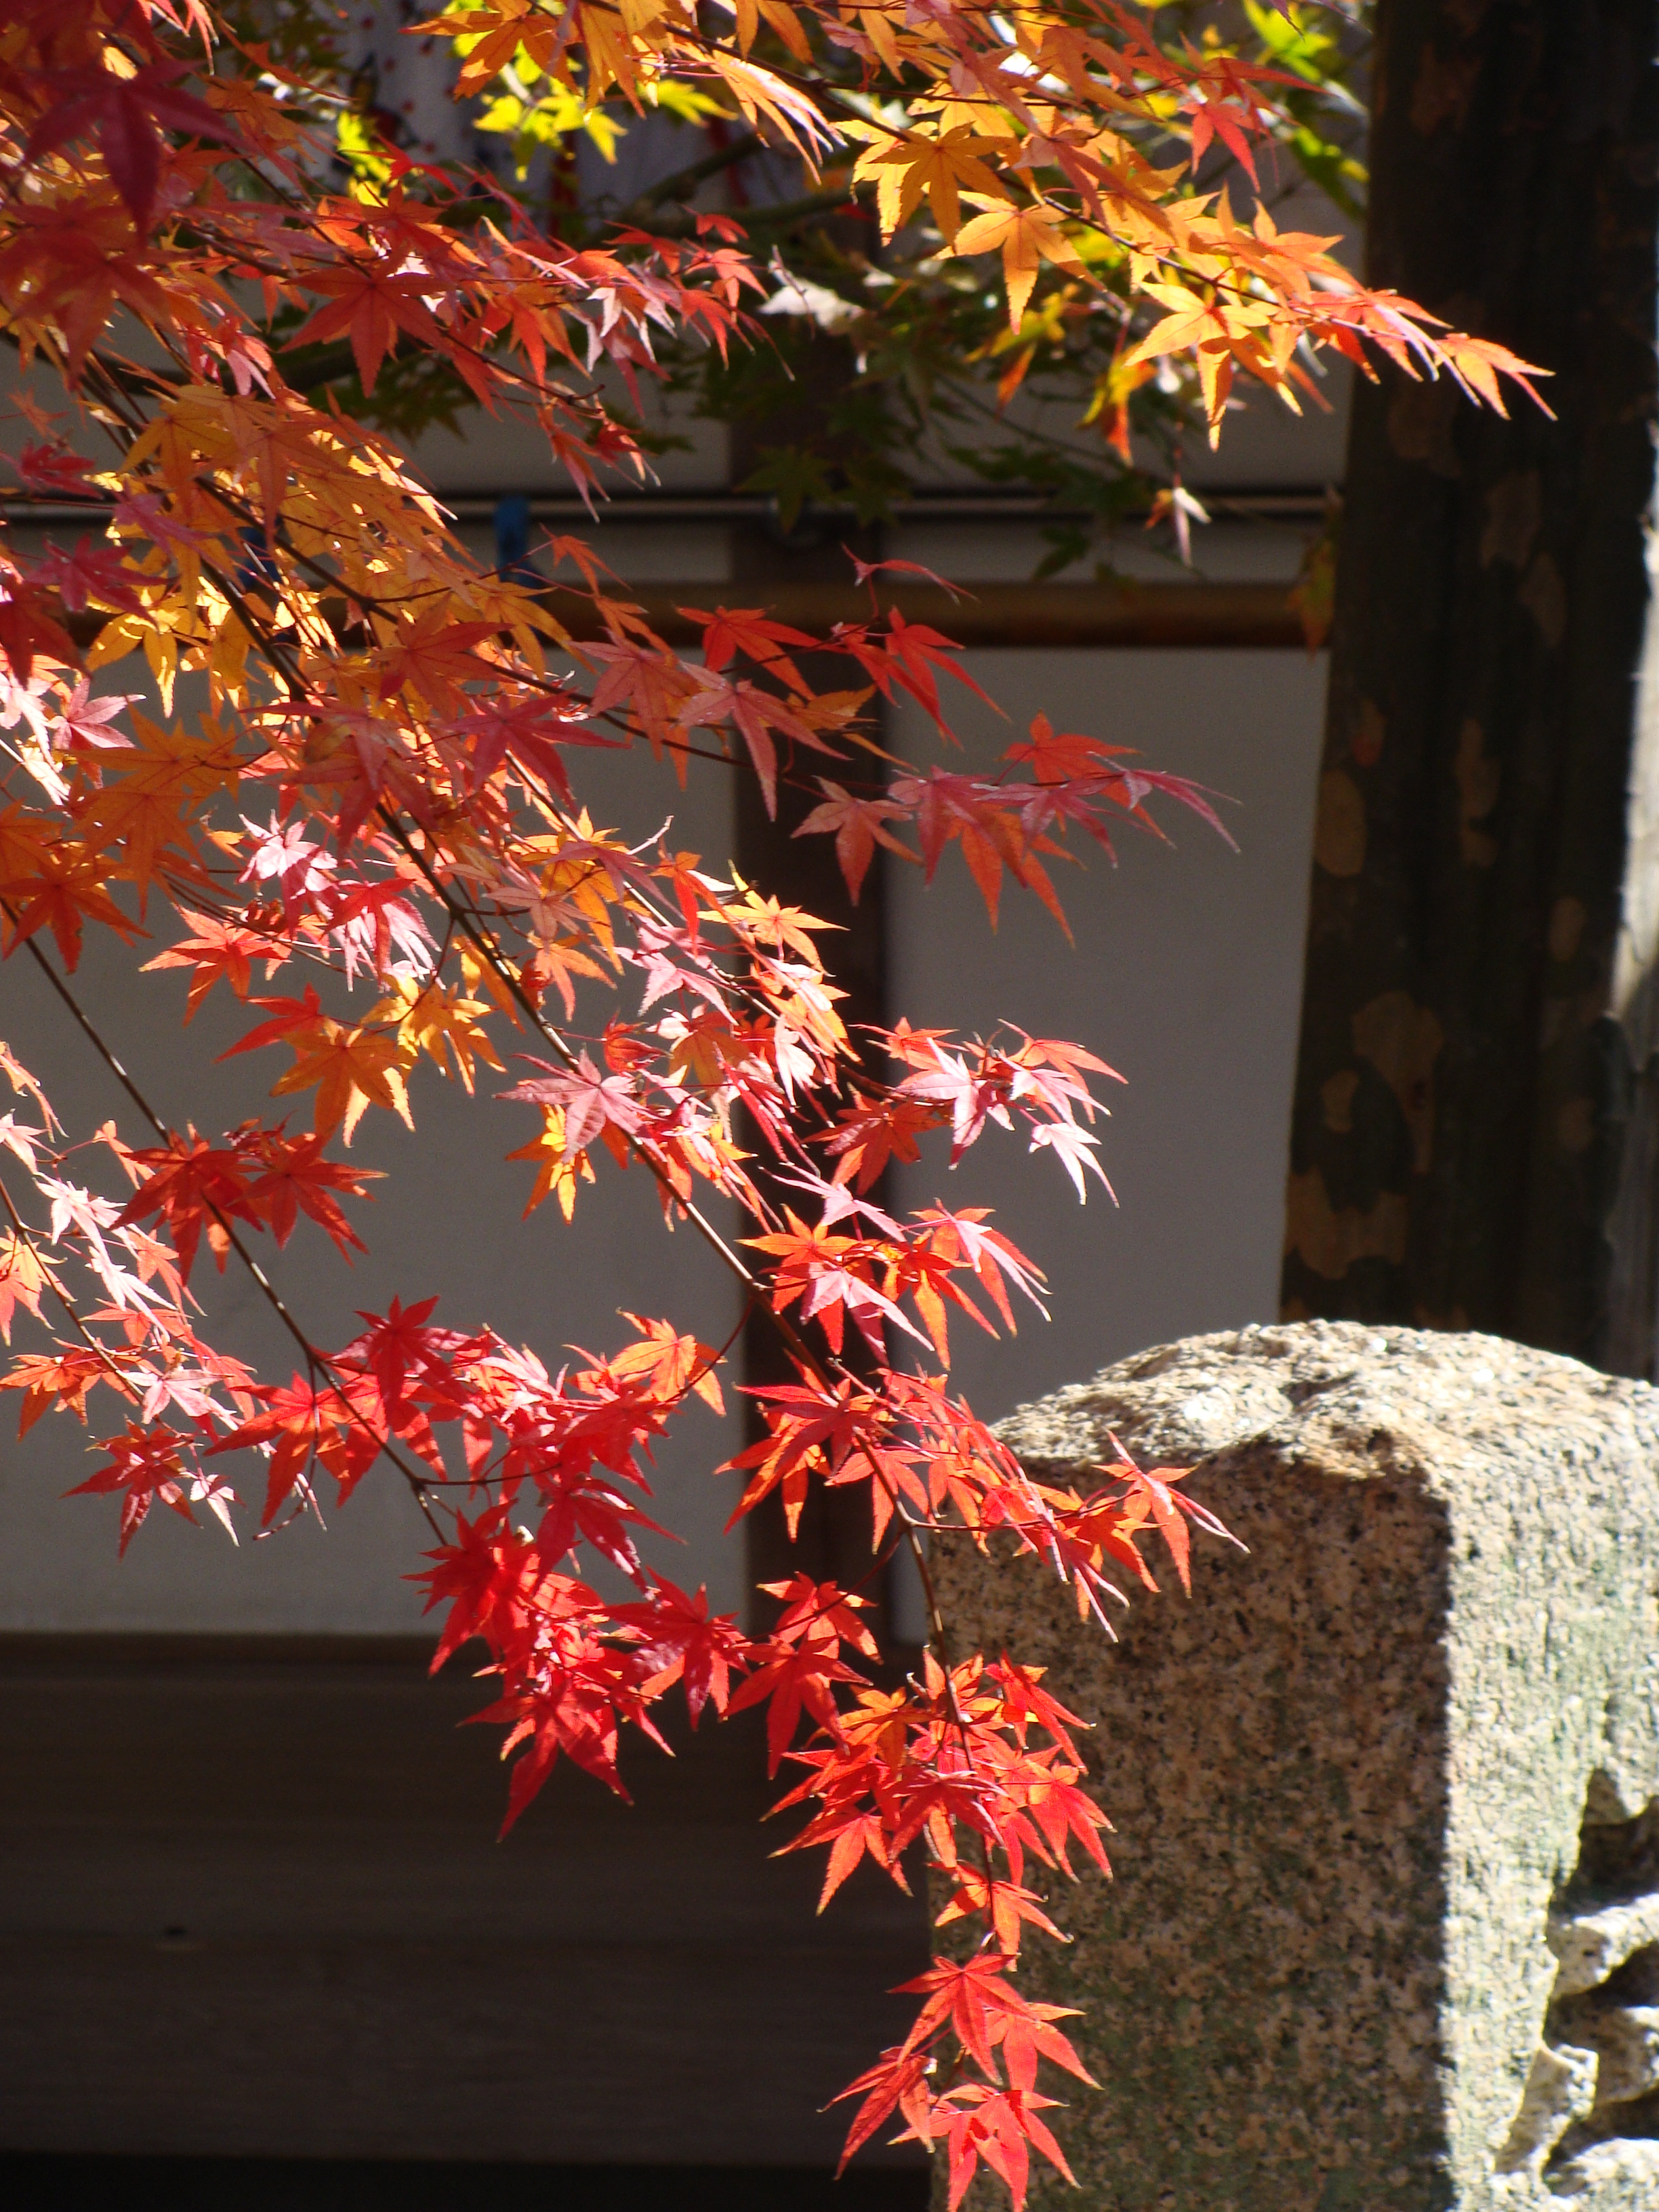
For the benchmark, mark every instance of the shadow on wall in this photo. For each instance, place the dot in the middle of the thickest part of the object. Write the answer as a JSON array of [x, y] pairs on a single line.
[[252, 1906]]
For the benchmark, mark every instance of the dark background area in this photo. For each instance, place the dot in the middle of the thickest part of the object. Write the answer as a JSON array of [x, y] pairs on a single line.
[[273, 2184], [254, 1909]]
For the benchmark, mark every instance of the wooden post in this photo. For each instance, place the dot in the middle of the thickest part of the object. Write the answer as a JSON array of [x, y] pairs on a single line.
[[767, 565]]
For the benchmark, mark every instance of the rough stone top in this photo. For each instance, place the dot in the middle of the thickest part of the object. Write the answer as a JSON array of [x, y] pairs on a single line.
[[1356, 1399]]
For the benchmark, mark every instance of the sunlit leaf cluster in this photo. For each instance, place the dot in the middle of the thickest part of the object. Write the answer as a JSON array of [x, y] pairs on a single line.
[[268, 725]]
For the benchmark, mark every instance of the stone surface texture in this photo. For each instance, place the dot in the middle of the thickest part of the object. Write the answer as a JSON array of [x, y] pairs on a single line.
[[1384, 1930]]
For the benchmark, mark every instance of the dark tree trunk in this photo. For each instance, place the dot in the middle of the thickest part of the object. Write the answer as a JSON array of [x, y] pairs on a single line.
[[1464, 1094]]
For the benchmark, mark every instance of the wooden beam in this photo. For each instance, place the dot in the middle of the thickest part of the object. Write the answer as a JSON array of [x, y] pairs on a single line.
[[1053, 617], [1011, 617]]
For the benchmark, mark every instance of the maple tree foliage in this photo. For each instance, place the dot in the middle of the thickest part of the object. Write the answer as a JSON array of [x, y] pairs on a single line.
[[917, 359], [373, 838]]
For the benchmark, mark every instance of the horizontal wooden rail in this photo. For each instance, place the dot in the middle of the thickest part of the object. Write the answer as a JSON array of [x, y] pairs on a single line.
[[1015, 617], [1055, 617]]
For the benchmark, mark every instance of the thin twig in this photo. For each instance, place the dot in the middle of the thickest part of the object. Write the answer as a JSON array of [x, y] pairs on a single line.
[[316, 1361]]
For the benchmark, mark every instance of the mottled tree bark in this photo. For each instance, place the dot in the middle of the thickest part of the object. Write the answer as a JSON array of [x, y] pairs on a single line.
[[1465, 1104]]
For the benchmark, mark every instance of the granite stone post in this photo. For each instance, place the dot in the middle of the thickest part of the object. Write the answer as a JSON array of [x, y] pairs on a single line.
[[1384, 1930]]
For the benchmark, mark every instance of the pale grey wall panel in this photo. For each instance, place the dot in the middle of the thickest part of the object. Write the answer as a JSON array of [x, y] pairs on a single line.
[[448, 1220], [1186, 976]]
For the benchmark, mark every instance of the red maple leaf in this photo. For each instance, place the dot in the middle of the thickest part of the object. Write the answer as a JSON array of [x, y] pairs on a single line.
[[122, 113], [858, 825], [681, 1642], [144, 1465]]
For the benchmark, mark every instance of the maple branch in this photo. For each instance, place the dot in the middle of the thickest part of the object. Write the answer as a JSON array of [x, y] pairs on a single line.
[[775, 214], [676, 186], [317, 1361], [718, 1360], [938, 1635], [140, 224]]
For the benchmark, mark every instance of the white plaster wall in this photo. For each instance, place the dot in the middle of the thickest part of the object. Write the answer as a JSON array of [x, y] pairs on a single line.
[[1185, 976], [448, 1221]]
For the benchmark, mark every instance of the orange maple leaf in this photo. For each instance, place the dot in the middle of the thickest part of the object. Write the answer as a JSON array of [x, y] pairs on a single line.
[[371, 304], [1026, 237]]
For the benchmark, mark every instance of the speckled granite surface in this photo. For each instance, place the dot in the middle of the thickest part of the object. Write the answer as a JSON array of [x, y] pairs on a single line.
[[1363, 1952]]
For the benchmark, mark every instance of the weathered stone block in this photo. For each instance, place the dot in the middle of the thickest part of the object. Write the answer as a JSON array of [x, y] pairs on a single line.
[[1384, 1934]]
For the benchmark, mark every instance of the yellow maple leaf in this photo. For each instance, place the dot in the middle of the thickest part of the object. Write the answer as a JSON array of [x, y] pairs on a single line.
[[611, 57], [429, 1018], [493, 33], [873, 22], [352, 1069], [23, 1278], [1027, 236], [905, 168], [555, 1176], [1216, 332]]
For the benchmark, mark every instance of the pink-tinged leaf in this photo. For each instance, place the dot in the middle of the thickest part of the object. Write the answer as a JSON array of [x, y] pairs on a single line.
[[858, 827]]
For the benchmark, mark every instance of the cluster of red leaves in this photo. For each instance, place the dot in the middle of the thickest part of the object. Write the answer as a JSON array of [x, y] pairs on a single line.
[[381, 794], [259, 1175]]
